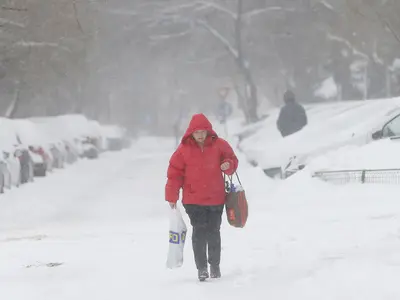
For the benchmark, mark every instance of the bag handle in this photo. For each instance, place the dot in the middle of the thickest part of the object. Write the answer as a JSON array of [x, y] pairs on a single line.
[[230, 178]]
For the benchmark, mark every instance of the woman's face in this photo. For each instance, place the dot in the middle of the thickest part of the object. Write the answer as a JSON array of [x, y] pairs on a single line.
[[200, 136]]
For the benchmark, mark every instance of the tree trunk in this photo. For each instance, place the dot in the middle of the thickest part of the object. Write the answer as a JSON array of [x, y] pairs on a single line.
[[242, 101], [13, 106], [251, 88]]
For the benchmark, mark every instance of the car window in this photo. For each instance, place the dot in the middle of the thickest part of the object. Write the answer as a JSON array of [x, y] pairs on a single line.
[[392, 128]]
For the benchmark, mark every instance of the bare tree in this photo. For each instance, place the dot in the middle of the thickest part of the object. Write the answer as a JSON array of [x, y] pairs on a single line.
[[124, 60]]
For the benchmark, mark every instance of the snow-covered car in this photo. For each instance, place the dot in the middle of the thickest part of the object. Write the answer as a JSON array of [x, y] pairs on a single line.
[[13, 168], [42, 160], [331, 126], [59, 154], [33, 138], [95, 136], [90, 150], [8, 153], [1, 178], [71, 135], [114, 137], [381, 154], [3, 175], [54, 136], [72, 151], [77, 144]]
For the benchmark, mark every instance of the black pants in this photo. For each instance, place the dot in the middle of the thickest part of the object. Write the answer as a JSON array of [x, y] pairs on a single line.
[[206, 222]]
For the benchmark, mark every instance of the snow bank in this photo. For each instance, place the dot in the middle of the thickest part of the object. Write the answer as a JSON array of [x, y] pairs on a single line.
[[331, 126], [328, 89], [68, 126], [382, 154], [29, 133]]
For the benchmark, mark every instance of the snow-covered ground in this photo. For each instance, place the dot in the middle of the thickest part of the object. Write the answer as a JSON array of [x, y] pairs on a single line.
[[98, 230]]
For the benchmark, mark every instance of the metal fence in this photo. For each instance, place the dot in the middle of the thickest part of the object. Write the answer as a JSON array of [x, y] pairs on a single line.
[[378, 176]]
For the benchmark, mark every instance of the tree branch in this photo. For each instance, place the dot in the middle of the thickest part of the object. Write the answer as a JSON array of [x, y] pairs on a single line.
[[169, 36], [8, 22], [326, 4], [12, 107], [390, 28], [257, 12], [13, 8], [208, 4], [40, 44], [348, 44], [120, 12], [76, 16], [232, 50], [238, 29], [206, 59], [387, 26], [248, 15], [180, 7]]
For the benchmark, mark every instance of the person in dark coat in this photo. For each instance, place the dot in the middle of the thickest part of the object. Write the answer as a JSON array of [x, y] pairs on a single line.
[[292, 117]]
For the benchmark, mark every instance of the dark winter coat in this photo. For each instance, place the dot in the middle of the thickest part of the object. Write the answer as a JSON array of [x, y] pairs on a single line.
[[198, 171], [292, 118]]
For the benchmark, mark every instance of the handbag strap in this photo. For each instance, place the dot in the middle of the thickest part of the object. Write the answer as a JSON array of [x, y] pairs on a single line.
[[231, 180]]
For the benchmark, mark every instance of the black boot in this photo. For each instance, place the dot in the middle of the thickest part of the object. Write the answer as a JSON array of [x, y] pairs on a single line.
[[203, 274], [215, 272]]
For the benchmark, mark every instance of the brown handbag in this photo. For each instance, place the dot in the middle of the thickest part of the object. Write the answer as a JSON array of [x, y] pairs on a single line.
[[236, 206]]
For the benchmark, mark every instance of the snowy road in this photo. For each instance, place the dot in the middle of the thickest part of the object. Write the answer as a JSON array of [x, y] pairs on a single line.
[[98, 230]]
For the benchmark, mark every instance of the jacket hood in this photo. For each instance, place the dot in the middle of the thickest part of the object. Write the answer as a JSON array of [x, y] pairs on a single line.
[[199, 122]]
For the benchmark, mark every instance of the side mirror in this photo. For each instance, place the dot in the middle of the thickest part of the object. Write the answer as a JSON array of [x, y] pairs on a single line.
[[377, 135]]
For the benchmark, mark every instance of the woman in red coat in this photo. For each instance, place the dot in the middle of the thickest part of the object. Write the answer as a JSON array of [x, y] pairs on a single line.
[[196, 167]]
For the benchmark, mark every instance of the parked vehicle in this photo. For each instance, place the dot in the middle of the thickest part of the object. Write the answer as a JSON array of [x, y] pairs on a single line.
[[331, 126], [43, 162], [27, 165], [115, 138], [34, 147], [2, 176], [72, 152], [90, 149], [13, 167], [31, 136], [10, 171], [8, 141], [58, 156]]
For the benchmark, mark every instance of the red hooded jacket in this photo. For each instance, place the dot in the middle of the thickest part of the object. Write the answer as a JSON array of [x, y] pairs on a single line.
[[198, 172]]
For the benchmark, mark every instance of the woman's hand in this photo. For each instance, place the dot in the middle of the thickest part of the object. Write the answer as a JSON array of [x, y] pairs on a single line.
[[225, 166]]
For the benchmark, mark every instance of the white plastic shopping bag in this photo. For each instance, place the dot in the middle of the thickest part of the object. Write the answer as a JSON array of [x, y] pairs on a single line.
[[177, 238]]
